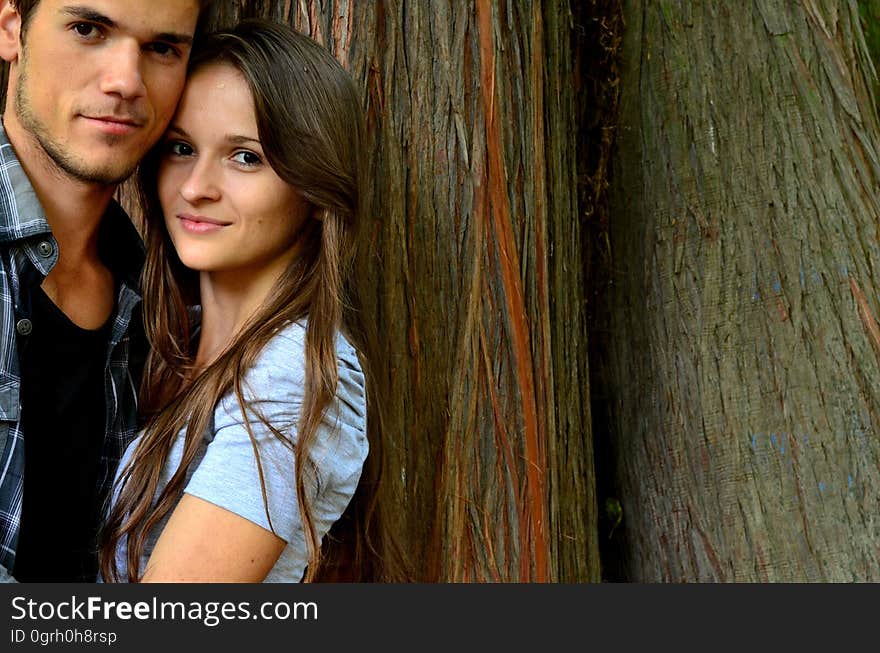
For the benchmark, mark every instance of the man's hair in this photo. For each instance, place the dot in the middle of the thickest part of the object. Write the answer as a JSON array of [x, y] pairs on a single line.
[[25, 9]]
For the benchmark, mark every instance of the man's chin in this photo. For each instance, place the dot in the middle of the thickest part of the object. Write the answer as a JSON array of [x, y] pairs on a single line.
[[104, 178], [98, 176], [103, 172]]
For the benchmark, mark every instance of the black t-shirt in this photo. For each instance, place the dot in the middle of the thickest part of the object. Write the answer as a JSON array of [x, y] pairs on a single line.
[[63, 415]]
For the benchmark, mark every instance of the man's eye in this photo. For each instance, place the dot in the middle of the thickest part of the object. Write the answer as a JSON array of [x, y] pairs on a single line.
[[87, 30], [163, 49]]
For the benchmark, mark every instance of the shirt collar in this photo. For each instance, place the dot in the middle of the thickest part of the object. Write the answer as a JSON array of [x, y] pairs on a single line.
[[21, 216]]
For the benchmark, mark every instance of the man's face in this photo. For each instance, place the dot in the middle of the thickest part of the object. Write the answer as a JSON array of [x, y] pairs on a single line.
[[95, 82]]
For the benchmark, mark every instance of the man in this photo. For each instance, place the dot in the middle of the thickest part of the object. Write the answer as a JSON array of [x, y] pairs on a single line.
[[92, 86]]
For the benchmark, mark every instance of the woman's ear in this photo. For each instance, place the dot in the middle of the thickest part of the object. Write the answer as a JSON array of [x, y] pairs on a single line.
[[10, 32]]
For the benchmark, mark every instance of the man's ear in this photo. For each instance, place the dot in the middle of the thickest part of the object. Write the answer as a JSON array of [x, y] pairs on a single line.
[[10, 32]]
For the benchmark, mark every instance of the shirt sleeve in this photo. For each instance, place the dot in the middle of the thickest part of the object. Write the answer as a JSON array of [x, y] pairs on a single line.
[[229, 474]]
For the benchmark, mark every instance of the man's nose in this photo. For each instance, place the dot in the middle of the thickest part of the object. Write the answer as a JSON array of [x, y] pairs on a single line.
[[123, 74]]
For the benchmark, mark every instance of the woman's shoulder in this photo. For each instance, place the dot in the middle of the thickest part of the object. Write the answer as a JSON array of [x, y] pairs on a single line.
[[281, 360], [284, 354], [273, 389], [277, 378]]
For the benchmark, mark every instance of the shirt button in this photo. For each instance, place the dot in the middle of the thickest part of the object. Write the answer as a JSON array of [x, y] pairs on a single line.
[[45, 249], [24, 327]]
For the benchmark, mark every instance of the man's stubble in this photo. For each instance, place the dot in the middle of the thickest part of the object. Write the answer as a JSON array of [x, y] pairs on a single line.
[[68, 163]]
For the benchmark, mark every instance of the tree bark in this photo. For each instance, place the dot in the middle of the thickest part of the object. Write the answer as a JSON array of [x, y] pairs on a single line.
[[743, 355]]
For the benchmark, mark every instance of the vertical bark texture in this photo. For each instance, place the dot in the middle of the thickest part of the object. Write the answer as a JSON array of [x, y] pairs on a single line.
[[744, 353], [474, 265]]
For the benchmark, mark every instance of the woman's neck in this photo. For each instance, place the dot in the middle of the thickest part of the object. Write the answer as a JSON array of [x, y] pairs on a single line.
[[229, 300]]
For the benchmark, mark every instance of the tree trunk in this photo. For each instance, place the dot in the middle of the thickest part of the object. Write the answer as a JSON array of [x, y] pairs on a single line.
[[475, 269], [744, 344]]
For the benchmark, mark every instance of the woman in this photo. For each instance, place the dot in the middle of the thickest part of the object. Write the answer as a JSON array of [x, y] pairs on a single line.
[[256, 404]]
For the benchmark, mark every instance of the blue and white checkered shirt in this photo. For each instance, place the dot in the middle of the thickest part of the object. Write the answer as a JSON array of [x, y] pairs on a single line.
[[28, 251]]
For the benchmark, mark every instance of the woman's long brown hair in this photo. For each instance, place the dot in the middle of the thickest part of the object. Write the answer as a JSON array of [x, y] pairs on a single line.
[[310, 126]]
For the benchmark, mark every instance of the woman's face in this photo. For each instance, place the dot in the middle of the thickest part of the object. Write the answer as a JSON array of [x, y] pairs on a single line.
[[225, 208]]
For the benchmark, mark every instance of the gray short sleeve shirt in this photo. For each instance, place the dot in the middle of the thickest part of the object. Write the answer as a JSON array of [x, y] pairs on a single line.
[[225, 471]]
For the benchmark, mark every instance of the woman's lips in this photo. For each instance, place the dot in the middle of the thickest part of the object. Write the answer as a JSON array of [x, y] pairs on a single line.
[[200, 224]]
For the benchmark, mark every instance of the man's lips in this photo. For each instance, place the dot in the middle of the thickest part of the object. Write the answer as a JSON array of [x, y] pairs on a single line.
[[118, 125], [200, 224]]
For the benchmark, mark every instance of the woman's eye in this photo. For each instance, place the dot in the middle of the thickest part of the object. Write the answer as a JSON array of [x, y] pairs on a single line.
[[247, 158], [179, 149]]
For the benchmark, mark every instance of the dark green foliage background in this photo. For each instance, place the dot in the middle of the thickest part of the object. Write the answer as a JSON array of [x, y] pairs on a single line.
[[870, 12]]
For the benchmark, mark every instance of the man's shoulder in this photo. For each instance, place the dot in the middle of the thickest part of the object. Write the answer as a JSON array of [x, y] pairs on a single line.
[[8, 159], [7, 153], [21, 214]]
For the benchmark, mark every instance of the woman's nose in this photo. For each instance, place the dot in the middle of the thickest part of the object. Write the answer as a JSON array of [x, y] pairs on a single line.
[[201, 183]]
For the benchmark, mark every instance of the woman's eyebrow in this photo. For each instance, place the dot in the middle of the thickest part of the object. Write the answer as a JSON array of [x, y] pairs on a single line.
[[180, 131], [239, 140], [235, 139]]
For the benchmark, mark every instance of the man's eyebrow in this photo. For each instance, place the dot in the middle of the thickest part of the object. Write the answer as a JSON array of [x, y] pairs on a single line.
[[174, 38], [89, 14], [92, 16]]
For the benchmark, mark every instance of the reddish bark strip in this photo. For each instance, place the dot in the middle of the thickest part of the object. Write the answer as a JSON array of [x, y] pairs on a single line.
[[343, 22], [315, 24], [533, 537], [865, 313]]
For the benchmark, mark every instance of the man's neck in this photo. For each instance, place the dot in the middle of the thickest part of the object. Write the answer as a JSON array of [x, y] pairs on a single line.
[[79, 284], [74, 208]]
